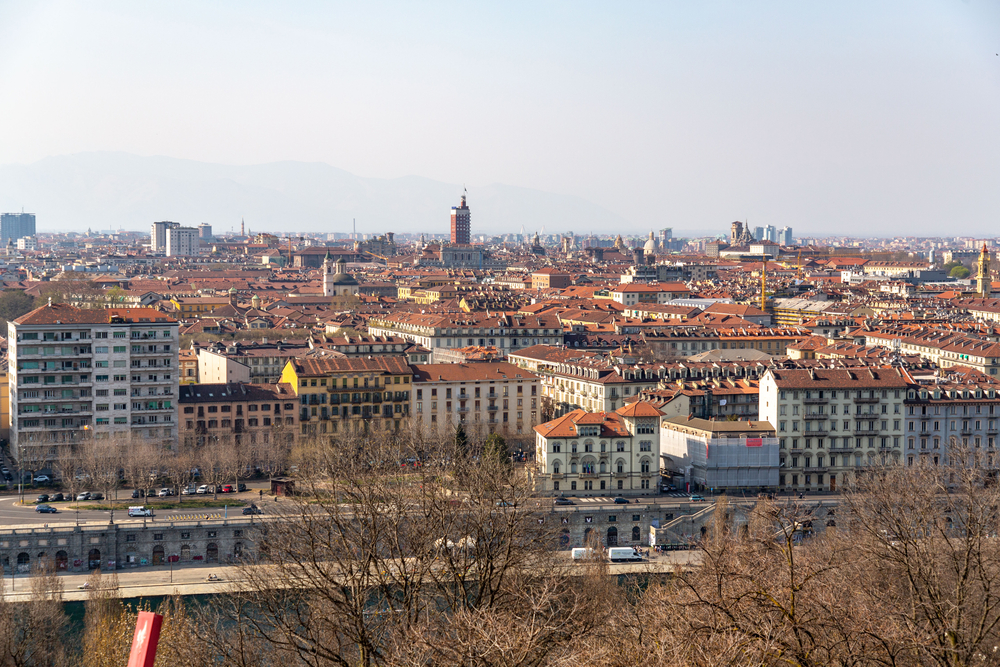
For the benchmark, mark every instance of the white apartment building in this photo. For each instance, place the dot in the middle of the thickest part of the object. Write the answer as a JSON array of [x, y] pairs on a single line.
[[484, 397], [158, 235], [182, 242], [599, 453], [77, 373], [830, 422]]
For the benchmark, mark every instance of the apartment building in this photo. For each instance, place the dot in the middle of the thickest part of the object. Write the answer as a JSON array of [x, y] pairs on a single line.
[[257, 362], [944, 347], [831, 422], [485, 397], [685, 342], [76, 373], [502, 331], [952, 412], [350, 395], [249, 415], [599, 453]]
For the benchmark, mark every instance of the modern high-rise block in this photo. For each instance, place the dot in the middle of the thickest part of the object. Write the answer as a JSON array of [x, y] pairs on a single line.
[[158, 235], [460, 223], [182, 241], [205, 231], [16, 225], [758, 233], [77, 373], [785, 236], [771, 233]]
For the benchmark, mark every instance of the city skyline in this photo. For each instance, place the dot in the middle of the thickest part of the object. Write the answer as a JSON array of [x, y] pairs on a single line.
[[849, 117]]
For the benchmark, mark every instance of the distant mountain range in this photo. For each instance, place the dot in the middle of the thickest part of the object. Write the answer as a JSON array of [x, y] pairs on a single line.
[[119, 190]]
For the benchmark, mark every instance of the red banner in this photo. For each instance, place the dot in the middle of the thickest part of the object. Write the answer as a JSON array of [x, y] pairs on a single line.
[[147, 636], [755, 442]]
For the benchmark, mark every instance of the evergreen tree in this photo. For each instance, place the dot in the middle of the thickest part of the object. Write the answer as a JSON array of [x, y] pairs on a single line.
[[496, 449]]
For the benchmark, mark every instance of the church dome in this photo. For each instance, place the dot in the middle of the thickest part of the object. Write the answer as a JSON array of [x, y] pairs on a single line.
[[342, 277], [650, 247]]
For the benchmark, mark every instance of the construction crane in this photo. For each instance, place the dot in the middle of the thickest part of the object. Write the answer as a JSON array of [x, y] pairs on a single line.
[[798, 263], [384, 259]]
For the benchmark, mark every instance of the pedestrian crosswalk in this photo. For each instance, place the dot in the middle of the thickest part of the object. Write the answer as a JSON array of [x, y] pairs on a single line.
[[198, 516]]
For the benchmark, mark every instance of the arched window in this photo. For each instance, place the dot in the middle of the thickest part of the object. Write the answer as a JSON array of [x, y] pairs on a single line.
[[572, 468], [604, 467], [555, 468], [620, 466], [645, 465], [588, 446], [620, 445], [635, 534]]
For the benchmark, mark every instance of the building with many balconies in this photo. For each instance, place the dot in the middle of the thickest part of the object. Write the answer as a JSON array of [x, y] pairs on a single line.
[[79, 372]]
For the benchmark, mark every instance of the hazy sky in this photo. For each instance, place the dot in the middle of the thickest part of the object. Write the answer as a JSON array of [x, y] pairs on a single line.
[[832, 117]]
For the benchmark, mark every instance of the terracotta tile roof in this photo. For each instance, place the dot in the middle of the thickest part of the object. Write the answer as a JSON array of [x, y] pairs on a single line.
[[639, 409], [482, 371], [323, 366], [60, 313]]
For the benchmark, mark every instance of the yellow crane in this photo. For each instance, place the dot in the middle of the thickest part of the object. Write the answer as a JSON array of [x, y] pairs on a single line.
[[384, 259]]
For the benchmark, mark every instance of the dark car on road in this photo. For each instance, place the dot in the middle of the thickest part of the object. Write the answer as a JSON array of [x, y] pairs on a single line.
[[564, 501], [43, 498], [46, 509], [621, 501], [252, 509]]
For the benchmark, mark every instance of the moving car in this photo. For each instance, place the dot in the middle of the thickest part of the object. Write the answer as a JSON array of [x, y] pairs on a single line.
[[140, 510], [621, 501], [46, 509], [564, 501], [696, 498], [43, 498], [252, 509]]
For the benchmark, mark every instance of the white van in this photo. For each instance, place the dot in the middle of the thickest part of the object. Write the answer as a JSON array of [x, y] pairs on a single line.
[[623, 554], [580, 553], [140, 510]]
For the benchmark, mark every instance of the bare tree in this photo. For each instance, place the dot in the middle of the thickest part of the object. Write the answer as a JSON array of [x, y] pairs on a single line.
[[143, 462], [103, 459]]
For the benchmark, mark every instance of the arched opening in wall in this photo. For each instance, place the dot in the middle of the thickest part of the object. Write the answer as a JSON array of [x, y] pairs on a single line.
[[590, 539], [612, 536], [62, 560], [22, 562], [185, 552], [43, 562], [94, 560], [636, 534], [704, 532], [212, 553], [237, 550], [158, 555], [564, 538]]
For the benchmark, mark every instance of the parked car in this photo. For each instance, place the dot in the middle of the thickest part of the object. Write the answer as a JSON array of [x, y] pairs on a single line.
[[140, 510], [85, 495], [43, 498], [203, 489], [46, 509], [58, 497], [621, 501], [252, 509], [564, 501], [241, 487], [189, 490], [42, 479], [696, 498], [164, 492], [138, 493], [96, 496], [228, 488]]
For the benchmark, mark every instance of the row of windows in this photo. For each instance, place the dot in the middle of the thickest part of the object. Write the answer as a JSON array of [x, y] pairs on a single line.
[[321, 382], [588, 468], [843, 443]]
